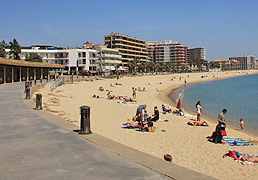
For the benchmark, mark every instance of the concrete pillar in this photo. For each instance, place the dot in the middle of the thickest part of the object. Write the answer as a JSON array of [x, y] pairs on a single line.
[[35, 77], [27, 74], [41, 73], [20, 79], [4, 74], [12, 74], [55, 74], [47, 74]]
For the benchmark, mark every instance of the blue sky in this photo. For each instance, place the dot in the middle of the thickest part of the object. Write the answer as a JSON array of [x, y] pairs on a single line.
[[224, 27]]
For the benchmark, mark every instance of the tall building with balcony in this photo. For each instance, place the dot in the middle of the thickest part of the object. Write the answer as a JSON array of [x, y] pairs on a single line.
[[193, 53], [246, 62], [172, 52], [108, 58], [129, 47]]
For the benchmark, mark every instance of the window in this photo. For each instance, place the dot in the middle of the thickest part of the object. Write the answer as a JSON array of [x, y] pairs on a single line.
[[84, 61]]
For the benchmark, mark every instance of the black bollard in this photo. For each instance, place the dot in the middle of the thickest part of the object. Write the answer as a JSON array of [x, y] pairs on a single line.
[[30, 83], [72, 77], [85, 120], [40, 81], [38, 101], [35, 82], [27, 93], [27, 84], [83, 76]]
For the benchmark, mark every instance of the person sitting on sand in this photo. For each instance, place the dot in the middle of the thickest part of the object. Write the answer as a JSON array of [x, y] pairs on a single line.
[[155, 115], [139, 89], [198, 123], [111, 85], [144, 89], [101, 89]]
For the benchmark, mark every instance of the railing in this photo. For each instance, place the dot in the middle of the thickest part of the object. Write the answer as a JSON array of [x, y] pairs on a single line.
[[57, 83]]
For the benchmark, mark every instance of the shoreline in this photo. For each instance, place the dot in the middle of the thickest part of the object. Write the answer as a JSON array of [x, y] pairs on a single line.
[[208, 116]]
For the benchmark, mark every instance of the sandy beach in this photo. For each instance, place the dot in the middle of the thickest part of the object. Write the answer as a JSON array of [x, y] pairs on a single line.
[[188, 145]]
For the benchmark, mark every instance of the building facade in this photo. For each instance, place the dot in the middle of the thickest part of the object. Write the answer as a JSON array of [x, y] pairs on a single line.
[[172, 52], [246, 62], [109, 59], [193, 53], [72, 59], [129, 48]]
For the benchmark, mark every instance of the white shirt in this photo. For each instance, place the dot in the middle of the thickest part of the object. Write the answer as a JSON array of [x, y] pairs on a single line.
[[199, 108]]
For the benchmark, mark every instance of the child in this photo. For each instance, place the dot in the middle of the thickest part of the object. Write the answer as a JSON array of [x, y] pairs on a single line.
[[242, 124]]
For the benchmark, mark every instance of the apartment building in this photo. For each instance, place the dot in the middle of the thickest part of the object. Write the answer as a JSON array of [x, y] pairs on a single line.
[[246, 62], [129, 47], [109, 59], [172, 52], [73, 59], [193, 53]]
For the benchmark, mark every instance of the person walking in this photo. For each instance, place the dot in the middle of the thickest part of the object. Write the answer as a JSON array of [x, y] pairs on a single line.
[[199, 110]]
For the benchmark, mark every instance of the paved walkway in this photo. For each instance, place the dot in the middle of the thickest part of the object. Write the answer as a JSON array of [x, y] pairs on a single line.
[[32, 146]]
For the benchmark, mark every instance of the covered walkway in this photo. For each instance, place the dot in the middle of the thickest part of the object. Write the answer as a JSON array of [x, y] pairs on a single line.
[[17, 70]]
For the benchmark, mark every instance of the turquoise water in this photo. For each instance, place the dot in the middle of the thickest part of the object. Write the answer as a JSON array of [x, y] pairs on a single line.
[[239, 95]]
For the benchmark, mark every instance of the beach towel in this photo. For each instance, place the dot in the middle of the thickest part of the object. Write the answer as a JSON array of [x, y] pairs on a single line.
[[236, 141]]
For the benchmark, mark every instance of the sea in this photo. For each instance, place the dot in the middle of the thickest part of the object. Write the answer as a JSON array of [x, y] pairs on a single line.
[[239, 95]]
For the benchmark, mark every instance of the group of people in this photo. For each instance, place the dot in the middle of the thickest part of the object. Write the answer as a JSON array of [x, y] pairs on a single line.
[[124, 98], [143, 120]]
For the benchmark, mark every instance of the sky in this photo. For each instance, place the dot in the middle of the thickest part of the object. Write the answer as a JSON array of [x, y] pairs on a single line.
[[225, 28]]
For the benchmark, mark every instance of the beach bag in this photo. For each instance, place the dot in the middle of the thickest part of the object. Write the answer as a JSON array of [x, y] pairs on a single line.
[[151, 129], [223, 133]]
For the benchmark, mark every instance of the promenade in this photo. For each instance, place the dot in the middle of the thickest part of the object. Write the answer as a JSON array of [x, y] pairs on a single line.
[[33, 147]]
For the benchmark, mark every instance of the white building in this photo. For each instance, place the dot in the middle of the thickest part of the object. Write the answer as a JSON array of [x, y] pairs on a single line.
[[73, 59], [109, 59]]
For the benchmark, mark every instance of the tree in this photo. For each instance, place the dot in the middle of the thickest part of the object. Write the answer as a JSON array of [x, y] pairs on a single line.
[[3, 46], [15, 49], [132, 65], [33, 57]]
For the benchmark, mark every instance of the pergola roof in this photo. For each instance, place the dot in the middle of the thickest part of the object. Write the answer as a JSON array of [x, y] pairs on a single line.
[[11, 62]]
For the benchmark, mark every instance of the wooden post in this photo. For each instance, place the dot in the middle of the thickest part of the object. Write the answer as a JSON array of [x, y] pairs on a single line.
[[12, 75], [4, 74], [20, 79]]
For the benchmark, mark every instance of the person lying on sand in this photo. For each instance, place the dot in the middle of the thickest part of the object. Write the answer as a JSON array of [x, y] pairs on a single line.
[[118, 83], [197, 123], [129, 99], [111, 96], [238, 156], [111, 85]]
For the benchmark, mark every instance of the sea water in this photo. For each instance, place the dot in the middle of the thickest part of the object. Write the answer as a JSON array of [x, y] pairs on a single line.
[[239, 95]]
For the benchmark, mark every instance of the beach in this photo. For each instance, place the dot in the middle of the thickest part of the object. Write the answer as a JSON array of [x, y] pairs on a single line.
[[188, 145]]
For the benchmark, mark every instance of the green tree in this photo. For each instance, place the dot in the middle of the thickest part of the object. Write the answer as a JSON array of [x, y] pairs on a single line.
[[3, 46], [15, 49], [151, 67], [33, 57]]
